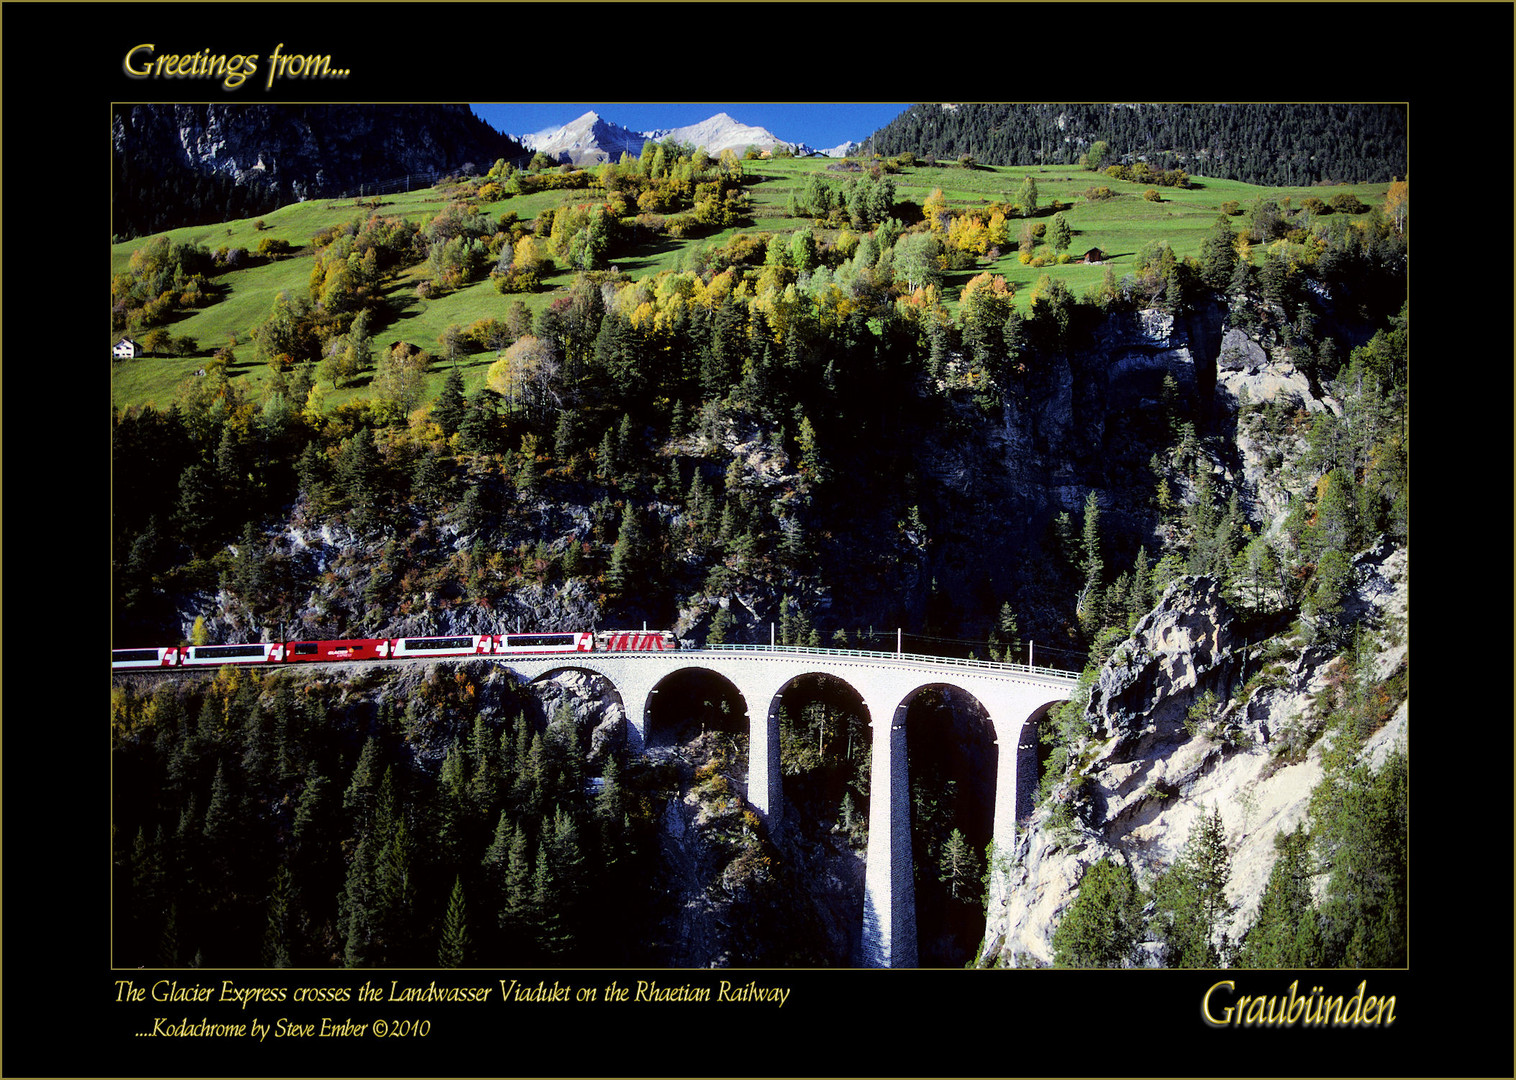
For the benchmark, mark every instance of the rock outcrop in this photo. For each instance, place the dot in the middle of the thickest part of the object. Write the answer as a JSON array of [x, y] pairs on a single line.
[[1150, 777]]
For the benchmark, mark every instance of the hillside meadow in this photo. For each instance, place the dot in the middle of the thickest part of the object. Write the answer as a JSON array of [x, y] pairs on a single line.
[[1119, 226]]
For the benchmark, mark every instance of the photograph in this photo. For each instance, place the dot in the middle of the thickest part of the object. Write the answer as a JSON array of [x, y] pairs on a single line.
[[980, 541]]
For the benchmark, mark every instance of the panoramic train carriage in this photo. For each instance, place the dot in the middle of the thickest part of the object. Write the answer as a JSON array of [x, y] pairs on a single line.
[[344, 649], [546, 643], [260, 652], [461, 645], [145, 658]]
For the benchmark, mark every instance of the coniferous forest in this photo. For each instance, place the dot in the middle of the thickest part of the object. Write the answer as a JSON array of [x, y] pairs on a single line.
[[1294, 145]]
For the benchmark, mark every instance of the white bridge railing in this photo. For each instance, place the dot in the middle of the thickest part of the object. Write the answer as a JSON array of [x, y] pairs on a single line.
[[938, 661]]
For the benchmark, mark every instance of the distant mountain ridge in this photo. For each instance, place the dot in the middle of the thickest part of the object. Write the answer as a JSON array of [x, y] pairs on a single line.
[[197, 164], [593, 140]]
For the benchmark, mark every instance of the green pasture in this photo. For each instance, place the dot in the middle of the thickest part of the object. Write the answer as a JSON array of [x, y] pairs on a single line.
[[1119, 226]]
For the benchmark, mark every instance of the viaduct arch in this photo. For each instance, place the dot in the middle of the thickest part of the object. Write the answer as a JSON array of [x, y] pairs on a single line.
[[1014, 696]]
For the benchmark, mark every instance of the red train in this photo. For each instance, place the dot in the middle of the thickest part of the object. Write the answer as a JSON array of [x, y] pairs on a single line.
[[283, 652]]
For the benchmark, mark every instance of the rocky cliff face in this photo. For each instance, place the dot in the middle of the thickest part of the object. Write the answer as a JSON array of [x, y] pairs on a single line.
[[1150, 777]]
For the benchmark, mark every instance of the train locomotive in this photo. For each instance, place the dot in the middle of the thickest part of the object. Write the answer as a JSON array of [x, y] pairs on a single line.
[[399, 648]]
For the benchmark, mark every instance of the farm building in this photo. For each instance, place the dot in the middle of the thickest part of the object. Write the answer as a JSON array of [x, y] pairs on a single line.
[[126, 349], [1094, 255]]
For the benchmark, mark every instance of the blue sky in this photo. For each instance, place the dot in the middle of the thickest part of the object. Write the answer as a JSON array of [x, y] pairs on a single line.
[[818, 125]]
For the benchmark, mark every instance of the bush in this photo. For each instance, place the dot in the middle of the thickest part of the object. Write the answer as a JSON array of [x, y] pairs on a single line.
[[1345, 202]]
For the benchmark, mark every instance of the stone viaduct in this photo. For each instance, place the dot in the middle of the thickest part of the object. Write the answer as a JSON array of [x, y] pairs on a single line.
[[1011, 694]]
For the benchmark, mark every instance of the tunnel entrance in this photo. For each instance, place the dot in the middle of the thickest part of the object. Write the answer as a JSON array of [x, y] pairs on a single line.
[[953, 766]]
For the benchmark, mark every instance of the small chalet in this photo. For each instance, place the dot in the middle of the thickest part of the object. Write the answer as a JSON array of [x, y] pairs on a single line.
[[1094, 255], [127, 349]]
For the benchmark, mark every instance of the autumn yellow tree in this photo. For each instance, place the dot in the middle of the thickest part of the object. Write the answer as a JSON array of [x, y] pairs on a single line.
[[935, 212], [1397, 203], [968, 233], [524, 375]]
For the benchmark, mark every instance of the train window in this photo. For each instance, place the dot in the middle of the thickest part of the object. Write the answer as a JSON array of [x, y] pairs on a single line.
[[221, 652], [306, 648], [123, 655], [524, 641], [439, 643]]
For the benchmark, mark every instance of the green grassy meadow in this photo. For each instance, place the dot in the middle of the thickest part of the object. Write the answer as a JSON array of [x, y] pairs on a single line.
[[1119, 226]]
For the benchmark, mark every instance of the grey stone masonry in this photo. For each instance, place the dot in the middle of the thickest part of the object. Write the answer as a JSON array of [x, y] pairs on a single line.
[[1012, 695]]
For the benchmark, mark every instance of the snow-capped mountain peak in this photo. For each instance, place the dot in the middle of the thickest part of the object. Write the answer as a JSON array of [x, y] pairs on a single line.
[[592, 140]]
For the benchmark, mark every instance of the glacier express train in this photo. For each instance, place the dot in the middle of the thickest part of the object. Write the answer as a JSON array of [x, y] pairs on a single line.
[[400, 648]]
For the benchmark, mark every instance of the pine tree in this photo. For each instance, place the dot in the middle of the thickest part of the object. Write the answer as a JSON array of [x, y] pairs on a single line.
[[362, 790], [1192, 906], [1102, 926], [1360, 820], [358, 910], [610, 814], [452, 804], [606, 468], [628, 557], [397, 890], [1059, 235], [1142, 585], [1286, 933], [451, 406], [484, 784], [221, 814], [1092, 614], [958, 868], [1005, 635], [570, 868], [549, 931], [517, 913], [457, 945], [276, 944]]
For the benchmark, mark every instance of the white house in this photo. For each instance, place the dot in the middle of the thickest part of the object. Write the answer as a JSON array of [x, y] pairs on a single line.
[[127, 349]]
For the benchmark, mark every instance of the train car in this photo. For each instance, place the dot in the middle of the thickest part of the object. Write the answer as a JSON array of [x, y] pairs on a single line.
[[343, 649], [258, 652], [157, 657], [458, 645], [636, 641], [545, 643]]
